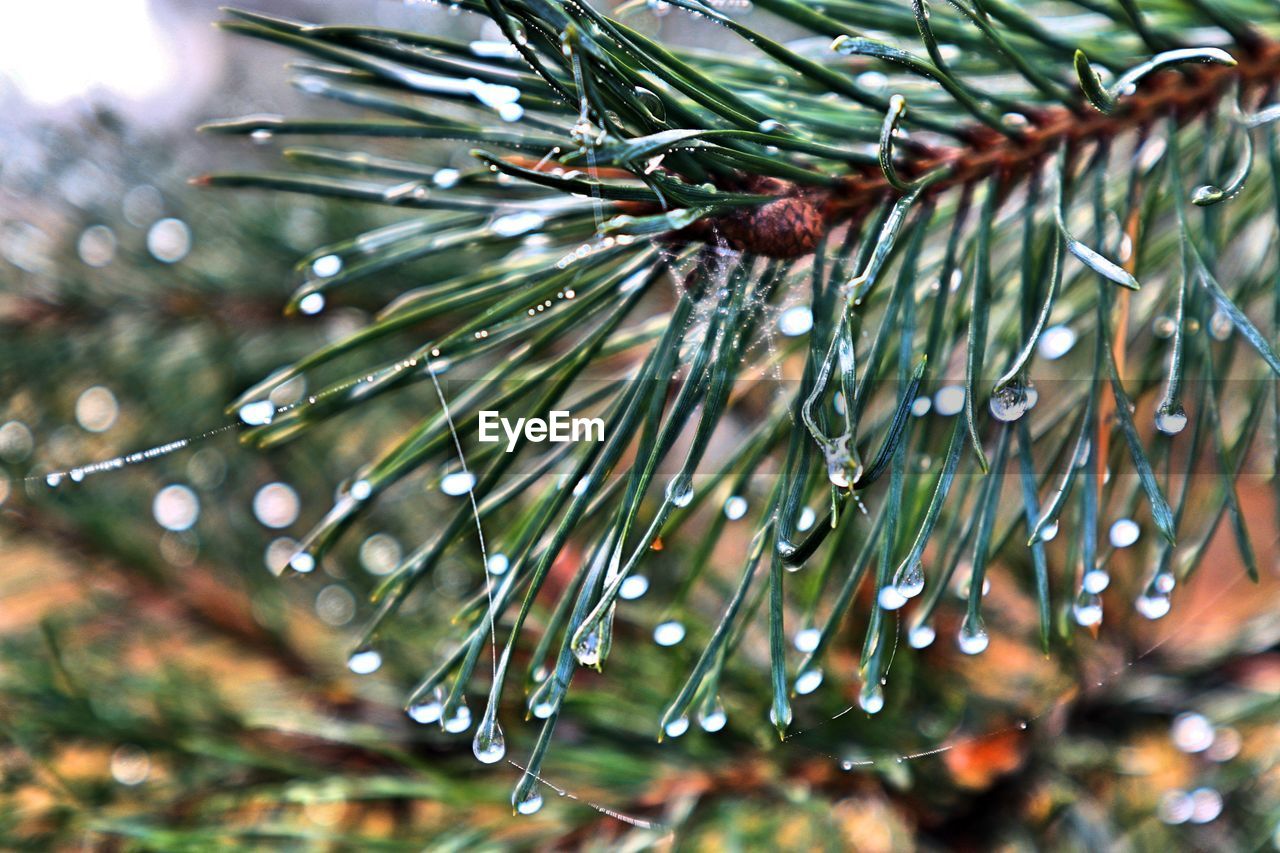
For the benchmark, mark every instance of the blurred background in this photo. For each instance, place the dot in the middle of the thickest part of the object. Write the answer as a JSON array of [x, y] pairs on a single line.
[[161, 687]]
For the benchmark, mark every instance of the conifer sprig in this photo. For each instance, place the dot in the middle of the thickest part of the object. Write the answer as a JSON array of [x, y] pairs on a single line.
[[975, 187]]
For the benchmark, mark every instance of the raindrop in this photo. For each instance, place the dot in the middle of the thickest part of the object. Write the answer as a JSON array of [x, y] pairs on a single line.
[[1087, 610], [1175, 807], [1124, 533], [130, 765], [890, 598], [1010, 402], [1171, 420], [380, 554], [364, 661], [1153, 605], [806, 639], [713, 719], [920, 406], [489, 744], [1220, 326], [680, 492], [515, 224], [445, 178], [735, 508], [1095, 581], [1049, 532], [633, 587], [1191, 732], [1206, 805], [302, 562], [16, 441], [676, 727], [257, 413], [587, 649], [457, 483], [973, 639], [327, 266], [808, 681], [498, 564], [97, 409], [921, 636], [796, 321], [1163, 326], [807, 518], [530, 803], [910, 579], [426, 713], [311, 304], [459, 722], [276, 505], [1056, 342], [669, 633], [97, 246], [175, 508], [169, 240], [871, 697], [335, 605], [949, 400]]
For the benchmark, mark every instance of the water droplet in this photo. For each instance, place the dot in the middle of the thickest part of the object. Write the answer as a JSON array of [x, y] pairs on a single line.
[[498, 564], [1163, 582], [1206, 805], [1153, 605], [261, 136], [1095, 581], [302, 562], [169, 240], [587, 649], [796, 321], [257, 413], [1049, 532], [651, 102], [838, 472], [680, 492], [1191, 732], [311, 304], [457, 483], [676, 727], [97, 409], [910, 579], [1163, 326], [1175, 807], [921, 636], [1010, 402], [515, 224], [668, 633], [633, 587], [871, 697], [807, 519], [445, 178], [973, 639], [130, 765], [530, 803], [921, 406], [1056, 342], [175, 507], [949, 401], [326, 266], [1221, 326], [1171, 420], [735, 508], [97, 246], [489, 744], [425, 713], [713, 719], [1124, 533], [459, 722], [890, 598], [808, 681], [364, 661], [807, 639], [1087, 610]]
